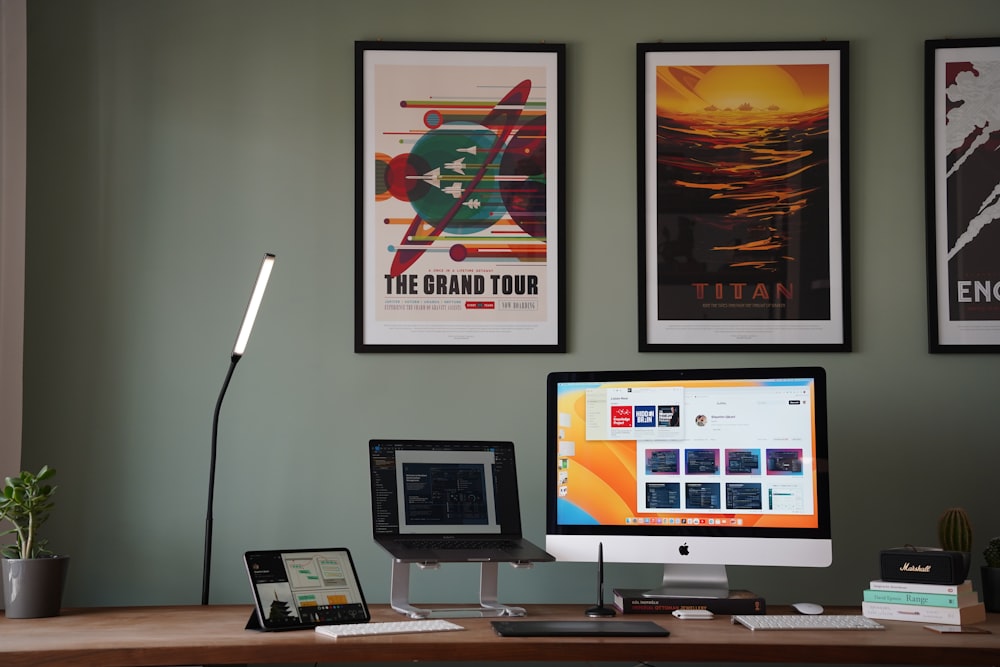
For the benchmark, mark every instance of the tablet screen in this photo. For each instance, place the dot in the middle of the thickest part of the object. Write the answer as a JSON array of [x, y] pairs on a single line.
[[303, 588]]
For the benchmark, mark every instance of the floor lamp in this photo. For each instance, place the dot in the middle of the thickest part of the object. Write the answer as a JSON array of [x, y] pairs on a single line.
[[241, 345]]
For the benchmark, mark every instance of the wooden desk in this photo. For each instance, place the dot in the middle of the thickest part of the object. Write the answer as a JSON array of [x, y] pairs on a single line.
[[195, 635]]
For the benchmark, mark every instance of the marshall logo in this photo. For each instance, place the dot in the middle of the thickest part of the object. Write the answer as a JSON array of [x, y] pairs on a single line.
[[907, 567], [925, 565]]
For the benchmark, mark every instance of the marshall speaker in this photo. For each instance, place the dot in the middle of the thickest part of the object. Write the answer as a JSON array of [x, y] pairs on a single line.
[[924, 565]]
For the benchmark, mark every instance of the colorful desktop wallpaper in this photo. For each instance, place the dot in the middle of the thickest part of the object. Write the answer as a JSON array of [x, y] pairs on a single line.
[[743, 188], [597, 479]]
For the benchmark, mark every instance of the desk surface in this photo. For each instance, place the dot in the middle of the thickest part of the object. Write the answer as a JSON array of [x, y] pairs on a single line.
[[185, 635]]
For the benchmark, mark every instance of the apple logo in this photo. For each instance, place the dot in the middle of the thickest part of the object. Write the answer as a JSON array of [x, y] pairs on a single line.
[[683, 549]]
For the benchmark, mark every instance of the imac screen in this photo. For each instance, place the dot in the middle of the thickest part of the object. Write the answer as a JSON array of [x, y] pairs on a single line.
[[689, 468]]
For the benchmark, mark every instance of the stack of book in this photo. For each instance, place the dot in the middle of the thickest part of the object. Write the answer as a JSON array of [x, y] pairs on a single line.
[[632, 601], [947, 604]]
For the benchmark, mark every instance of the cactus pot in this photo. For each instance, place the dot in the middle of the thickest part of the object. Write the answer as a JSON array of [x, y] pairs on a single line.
[[966, 565], [991, 588]]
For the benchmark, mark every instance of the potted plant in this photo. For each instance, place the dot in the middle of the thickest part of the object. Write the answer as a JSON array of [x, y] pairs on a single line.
[[33, 577], [991, 575], [955, 534]]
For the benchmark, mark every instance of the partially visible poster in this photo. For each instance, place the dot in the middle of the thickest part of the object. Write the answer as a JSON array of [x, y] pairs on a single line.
[[459, 212], [744, 198], [963, 187]]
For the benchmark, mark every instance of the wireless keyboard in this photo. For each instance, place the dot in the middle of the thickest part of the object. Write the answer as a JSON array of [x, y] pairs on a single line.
[[387, 628], [817, 622]]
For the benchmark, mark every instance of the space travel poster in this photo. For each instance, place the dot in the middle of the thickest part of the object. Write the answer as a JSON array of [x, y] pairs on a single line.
[[459, 211], [963, 187], [743, 196]]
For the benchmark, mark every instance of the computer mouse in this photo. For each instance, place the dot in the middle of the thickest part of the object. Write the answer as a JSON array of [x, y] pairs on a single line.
[[808, 608]]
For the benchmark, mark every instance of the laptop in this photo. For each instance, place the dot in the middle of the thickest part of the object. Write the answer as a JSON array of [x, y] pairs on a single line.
[[448, 501]]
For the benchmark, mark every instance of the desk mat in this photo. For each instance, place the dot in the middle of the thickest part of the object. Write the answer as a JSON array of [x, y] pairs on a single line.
[[593, 628]]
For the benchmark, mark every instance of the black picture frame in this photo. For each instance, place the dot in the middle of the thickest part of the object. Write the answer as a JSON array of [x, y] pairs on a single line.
[[743, 197], [460, 203], [962, 80]]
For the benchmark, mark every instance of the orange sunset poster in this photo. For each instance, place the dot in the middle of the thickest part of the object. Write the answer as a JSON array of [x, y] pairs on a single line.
[[743, 202]]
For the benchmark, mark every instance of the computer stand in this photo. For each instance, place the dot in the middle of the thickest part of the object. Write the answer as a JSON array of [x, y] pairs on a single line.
[[692, 581], [399, 595]]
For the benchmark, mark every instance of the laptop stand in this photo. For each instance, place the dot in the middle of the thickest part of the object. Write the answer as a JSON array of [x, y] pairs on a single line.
[[399, 595]]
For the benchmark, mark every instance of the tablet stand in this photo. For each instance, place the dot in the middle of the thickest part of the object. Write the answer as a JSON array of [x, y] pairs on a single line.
[[488, 606]]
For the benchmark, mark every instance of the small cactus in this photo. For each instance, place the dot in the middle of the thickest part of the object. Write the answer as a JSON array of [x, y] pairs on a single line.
[[955, 530], [992, 552]]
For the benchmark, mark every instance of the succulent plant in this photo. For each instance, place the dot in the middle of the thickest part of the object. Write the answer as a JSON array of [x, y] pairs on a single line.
[[26, 502], [992, 552], [955, 530]]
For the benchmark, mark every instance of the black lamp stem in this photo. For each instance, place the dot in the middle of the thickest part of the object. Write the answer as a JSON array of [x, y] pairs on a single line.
[[207, 565], [241, 341]]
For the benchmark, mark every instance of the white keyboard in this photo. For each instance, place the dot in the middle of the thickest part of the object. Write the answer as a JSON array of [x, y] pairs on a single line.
[[387, 628], [813, 622]]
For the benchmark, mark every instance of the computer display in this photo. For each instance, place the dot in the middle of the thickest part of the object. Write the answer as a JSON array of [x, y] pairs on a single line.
[[695, 469]]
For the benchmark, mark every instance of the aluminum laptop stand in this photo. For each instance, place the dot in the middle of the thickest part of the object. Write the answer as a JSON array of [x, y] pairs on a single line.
[[399, 595]]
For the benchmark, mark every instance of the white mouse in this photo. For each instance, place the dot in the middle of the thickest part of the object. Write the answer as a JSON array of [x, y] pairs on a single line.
[[808, 608]]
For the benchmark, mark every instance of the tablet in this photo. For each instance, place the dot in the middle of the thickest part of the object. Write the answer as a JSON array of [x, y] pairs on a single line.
[[301, 588]]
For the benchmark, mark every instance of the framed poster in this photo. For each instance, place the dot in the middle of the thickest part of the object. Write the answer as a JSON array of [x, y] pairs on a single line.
[[743, 207], [963, 194], [459, 211]]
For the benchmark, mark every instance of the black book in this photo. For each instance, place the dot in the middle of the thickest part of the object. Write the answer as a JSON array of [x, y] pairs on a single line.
[[632, 601]]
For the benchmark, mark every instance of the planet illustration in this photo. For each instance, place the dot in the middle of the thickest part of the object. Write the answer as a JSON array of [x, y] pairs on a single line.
[[490, 164]]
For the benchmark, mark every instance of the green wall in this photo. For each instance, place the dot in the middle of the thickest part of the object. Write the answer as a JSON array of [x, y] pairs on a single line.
[[172, 142]]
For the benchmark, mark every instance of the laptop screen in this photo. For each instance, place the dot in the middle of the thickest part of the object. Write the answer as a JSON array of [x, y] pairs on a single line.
[[432, 488]]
